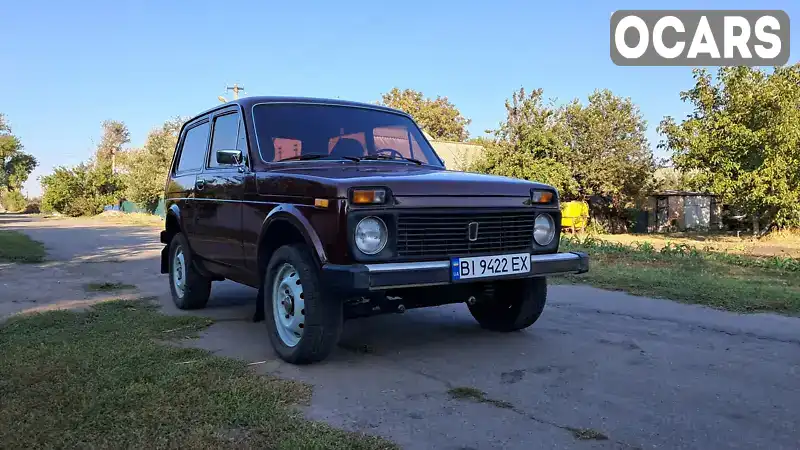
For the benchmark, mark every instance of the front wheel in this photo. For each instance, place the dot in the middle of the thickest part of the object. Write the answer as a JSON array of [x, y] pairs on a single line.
[[516, 304], [190, 289], [304, 323]]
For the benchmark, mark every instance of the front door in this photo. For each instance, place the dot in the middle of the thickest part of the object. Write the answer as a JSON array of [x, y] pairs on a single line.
[[182, 188], [219, 192]]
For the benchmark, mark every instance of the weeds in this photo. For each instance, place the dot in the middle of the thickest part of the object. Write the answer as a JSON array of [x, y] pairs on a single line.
[[670, 250], [108, 287], [687, 273]]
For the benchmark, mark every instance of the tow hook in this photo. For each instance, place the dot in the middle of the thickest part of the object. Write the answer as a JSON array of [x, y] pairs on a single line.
[[472, 300]]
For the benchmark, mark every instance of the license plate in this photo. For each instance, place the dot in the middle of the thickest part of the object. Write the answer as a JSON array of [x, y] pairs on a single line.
[[490, 266]]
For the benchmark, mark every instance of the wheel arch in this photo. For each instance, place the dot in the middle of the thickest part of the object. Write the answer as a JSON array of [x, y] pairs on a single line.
[[285, 225]]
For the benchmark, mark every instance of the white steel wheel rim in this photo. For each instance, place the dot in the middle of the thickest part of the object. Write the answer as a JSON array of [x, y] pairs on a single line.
[[288, 305], [179, 272]]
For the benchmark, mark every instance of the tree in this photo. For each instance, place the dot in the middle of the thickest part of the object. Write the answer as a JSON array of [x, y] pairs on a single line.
[[743, 140], [594, 151], [82, 190], [529, 145], [608, 151], [501, 158], [146, 168], [86, 188], [15, 165], [438, 117], [115, 135], [532, 126], [672, 179]]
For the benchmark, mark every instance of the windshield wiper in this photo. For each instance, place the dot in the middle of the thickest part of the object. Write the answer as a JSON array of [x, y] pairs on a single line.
[[398, 158], [310, 156]]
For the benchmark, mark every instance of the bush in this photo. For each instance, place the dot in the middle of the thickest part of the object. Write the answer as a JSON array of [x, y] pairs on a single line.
[[12, 201], [80, 191], [33, 207]]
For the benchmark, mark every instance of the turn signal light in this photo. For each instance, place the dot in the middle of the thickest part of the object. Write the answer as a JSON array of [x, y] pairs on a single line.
[[541, 196], [369, 196]]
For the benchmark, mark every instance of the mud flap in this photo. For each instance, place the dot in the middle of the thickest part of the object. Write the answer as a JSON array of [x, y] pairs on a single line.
[[259, 314], [165, 259]]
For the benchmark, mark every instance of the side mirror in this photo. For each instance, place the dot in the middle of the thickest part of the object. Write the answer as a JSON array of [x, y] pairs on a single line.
[[229, 157]]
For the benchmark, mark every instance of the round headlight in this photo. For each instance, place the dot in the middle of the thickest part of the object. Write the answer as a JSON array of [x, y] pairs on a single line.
[[371, 235], [544, 229]]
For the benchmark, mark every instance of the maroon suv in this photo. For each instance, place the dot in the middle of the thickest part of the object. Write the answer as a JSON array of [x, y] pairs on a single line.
[[335, 210]]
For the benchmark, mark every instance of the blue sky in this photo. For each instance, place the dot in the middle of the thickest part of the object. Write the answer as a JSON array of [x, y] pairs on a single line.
[[67, 66]]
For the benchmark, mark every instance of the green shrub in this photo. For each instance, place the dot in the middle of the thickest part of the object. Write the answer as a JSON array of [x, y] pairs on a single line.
[[33, 206], [12, 201], [80, 191]]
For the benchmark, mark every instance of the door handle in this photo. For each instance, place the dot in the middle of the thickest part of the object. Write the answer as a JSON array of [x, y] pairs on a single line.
[[200, 184]]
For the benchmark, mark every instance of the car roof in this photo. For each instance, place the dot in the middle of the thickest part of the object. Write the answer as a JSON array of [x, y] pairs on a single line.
[[247, 102]]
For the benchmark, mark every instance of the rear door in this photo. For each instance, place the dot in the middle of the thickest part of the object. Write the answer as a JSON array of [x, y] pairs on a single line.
[[220, 191], [182, 189]]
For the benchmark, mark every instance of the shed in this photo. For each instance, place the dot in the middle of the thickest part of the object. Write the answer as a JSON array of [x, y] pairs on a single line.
[[682, 211]]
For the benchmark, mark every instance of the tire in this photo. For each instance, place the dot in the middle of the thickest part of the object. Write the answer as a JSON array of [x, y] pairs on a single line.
[[190, 289], [516, 305], [305, 324]]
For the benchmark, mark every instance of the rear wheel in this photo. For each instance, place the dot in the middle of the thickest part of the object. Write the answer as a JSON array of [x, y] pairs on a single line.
[[190, 289], [304, 323], [516, 304]]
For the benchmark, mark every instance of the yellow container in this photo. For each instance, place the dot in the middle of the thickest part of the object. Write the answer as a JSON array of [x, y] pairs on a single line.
[[574, 214]]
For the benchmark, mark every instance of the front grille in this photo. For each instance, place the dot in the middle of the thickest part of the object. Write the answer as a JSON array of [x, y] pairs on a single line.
[[441, 235]]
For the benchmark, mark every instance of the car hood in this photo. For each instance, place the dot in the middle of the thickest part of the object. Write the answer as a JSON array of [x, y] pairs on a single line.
[[405, 180]]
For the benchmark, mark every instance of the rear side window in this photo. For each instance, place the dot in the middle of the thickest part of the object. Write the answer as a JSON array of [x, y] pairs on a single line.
[[226, 130], [193, 152]]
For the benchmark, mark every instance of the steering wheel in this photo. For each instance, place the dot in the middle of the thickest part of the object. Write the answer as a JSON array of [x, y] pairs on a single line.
[[392, 153]]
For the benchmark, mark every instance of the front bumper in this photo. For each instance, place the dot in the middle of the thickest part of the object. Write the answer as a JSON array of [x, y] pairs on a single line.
[[379, 277]]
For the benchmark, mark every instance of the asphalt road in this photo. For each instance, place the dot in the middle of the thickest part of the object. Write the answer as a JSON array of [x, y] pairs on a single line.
[[644, 373]]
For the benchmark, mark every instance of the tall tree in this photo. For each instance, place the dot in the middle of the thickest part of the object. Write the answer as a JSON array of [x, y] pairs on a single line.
[[15, 165], [597, 149], [608, 151], [743, 140], [438, 117], [529, 144], [146, 168], [115, 135], [533, 126]]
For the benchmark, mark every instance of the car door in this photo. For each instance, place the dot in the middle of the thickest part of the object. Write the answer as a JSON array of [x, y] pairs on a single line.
[[191, 157], [220, 191]]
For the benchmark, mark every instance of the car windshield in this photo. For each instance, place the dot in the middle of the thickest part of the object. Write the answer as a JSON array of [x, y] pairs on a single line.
[[290, 132]]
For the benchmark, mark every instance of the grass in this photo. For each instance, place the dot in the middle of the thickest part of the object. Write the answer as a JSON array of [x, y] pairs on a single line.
[[736, 282], [586, 434], [778, 243], [17, 247], [476, 395], [119, 218], [105, 378], [149, 220], [108, 287]]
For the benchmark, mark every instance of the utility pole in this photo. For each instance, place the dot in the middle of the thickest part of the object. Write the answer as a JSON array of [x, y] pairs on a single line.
[[236, 88]]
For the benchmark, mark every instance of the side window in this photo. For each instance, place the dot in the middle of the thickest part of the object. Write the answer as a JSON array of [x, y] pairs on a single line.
[[225, 134], [193, 151]]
